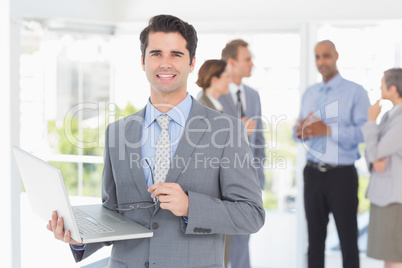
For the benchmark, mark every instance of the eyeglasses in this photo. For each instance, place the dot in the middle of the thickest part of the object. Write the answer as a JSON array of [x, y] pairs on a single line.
[[135, 205], [139, 205]]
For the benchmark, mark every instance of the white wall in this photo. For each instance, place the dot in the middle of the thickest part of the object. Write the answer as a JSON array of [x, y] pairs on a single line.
[[5, 197], [9, 111]]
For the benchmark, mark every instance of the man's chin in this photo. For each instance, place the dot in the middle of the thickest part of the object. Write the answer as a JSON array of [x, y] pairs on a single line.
[[166, 91]]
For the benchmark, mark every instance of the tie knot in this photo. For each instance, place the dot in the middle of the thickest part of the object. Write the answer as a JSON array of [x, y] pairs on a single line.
[[238, 92], [163, 121]]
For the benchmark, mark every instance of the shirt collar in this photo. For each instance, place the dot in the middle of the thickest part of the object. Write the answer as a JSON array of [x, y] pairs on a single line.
[[333, 82], [233, 88], [179, 113]]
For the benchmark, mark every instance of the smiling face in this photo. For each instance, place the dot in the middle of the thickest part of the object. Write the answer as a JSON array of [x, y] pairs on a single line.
[[167, 65], [325, 59]]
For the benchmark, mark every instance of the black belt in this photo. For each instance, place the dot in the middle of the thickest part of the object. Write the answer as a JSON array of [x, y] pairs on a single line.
[[324, 167]]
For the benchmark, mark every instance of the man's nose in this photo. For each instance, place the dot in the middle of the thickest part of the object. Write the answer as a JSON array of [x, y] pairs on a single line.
[[165, 63]]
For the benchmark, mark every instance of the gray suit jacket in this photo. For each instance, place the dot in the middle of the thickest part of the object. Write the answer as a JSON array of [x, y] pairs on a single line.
[[204, 100], [212, 164], [384, 141], [257, 140]]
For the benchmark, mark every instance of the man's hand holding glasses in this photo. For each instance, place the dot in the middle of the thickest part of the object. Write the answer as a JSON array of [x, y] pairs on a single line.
[[171, 197]]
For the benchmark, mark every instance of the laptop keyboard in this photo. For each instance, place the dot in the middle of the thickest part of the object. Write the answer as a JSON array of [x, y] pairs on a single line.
[[88, 225]]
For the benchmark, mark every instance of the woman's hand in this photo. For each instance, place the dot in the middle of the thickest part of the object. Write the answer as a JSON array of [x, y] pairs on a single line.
[[374, 111], [380, 165]]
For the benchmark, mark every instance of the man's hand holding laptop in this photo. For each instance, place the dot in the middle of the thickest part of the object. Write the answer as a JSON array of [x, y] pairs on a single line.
[[56, 225]]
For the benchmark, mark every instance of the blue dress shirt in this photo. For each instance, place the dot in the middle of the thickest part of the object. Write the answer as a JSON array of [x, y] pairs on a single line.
[[345, 112], [151, 131]]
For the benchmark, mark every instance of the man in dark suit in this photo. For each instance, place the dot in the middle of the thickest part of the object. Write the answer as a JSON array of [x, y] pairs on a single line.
[[203, 192], [243, 102]]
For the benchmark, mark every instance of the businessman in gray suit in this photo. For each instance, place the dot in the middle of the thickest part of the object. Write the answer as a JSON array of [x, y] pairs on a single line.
[[243, 102], [205, 183]]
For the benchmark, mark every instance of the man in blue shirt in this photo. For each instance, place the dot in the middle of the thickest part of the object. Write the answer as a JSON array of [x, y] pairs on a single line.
[[332, 113]]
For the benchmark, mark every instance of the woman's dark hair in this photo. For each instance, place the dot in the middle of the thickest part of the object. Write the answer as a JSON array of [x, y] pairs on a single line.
[[210, 69], [170, 24]]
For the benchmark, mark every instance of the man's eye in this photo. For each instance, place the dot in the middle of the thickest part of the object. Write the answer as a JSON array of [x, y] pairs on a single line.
[[176, 55]]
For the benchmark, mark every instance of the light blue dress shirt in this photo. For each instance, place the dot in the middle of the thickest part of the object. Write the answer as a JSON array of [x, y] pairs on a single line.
[[345, 112], [151, 131]]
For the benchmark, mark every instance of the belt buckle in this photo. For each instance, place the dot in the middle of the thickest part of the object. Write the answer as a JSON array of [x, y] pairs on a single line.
[[321, 167]]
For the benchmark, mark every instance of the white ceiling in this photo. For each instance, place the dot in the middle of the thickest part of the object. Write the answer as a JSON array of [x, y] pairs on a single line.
[[206, 11]]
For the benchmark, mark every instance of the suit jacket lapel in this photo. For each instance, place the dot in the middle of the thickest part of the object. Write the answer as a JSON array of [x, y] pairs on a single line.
[[207, 102], [228, 105], [185, 148], [388, 121], [133, 133], [249, 102], [188, 141]]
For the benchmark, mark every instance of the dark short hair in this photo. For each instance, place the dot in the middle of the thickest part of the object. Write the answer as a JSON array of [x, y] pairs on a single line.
[[210, 69], [170, 24], [393, 77], [231, 49]]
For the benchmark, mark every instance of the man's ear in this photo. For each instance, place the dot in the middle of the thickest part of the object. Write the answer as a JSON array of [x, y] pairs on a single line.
[[142, 63], [231, 62], [393, 90], [192, 65]]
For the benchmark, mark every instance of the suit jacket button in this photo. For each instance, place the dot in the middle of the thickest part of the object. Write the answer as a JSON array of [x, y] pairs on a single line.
[[196, 230], [155, 226]]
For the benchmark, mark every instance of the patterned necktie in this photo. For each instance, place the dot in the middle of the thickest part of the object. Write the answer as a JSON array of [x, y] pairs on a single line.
[[318, 143], [162, 154], [240, 111]]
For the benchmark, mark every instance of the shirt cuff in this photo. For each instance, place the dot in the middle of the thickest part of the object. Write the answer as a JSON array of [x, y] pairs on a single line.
[[78, 247]]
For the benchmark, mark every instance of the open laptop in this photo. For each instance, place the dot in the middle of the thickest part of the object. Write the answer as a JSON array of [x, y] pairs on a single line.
[[46, 192]]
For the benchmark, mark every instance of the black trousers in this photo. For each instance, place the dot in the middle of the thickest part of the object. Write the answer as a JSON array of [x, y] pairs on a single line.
[[332, 191]]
